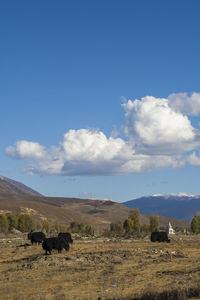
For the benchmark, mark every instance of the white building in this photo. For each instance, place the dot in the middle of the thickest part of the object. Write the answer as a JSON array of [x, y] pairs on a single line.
[[170, 229]]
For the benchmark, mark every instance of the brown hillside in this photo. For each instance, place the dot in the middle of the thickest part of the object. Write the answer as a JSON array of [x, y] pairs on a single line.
[[8, 185], [98, 213]]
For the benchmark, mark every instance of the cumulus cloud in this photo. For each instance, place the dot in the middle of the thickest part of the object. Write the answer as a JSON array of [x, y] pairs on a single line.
[[84, 152], [24, 149], [185, 104], [193, 159], [154, 127], [92, 145], [159, 135]]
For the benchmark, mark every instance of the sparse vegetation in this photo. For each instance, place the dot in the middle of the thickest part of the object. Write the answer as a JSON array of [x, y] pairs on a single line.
[[102, 268], [76, 227], [22, 222], [46, 226]]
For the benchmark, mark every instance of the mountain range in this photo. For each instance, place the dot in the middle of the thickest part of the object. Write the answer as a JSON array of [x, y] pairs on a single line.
[[175, 206]]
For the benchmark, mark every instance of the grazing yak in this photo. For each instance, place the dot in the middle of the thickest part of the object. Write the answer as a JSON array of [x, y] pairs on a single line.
[[54, 243], [36, 237], [159, 236], [66, 236]]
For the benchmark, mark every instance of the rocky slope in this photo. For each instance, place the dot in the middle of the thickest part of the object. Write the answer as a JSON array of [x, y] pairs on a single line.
[[8, 185]]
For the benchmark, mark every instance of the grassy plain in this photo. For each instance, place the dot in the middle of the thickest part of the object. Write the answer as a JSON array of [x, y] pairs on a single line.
[[102, 269]]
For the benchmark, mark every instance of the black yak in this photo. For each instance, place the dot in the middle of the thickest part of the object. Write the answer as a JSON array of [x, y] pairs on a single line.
[[54, 243], [66, 236], [159, 236], [36, 237]]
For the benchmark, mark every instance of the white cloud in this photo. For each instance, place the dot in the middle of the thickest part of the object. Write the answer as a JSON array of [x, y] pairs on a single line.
[[24, 149], [193, 159], [154, 127], [91, 152], [91, 145], [188, 105], [159, 135]]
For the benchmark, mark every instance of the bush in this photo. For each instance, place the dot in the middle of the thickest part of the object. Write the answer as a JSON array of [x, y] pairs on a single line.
[[128, 225], [76, 227], [88, 230], [4, 225], [46, 226], [12, 222], [145, 228], [116, 227], [195, 224], [25, 223]]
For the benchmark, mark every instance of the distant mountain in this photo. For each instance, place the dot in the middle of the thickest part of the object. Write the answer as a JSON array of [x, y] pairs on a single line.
[[174, 206], [98, 213], [16, 198], [8, 185]]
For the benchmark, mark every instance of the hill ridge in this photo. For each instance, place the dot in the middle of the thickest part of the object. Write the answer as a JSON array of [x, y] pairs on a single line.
[[8, 185], [16, 198]]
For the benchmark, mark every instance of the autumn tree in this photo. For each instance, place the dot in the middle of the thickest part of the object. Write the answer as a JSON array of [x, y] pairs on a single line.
[[4, 223], [116, 227], [25, 223], [12, 221], [154, 223], [128, 225], [195, 224], [46, 226], [145, 228], [135, 217]]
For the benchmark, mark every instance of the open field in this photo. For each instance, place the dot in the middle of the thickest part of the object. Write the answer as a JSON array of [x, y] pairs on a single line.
[[101, 268]]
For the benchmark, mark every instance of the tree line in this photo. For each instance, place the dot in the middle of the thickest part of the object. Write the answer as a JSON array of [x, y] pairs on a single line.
[[133, 225], [25, 223], [21, 222]]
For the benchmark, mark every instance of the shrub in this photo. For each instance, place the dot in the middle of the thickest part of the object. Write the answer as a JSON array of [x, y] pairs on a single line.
[[25, 223], [89, 230], [154, 223], [145, 228], [12, 222], [128, 225], [4, 225], [116, 227], [195, 224], [46, 226], [76, 227], [135, 216]]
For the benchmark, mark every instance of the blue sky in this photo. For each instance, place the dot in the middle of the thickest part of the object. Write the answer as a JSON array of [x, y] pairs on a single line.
[[70, 74]]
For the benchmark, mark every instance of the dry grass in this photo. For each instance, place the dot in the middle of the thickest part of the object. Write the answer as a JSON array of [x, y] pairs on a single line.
[[105, 269]]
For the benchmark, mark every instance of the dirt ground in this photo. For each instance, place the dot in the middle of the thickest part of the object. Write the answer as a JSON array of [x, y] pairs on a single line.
[[99, 269]]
